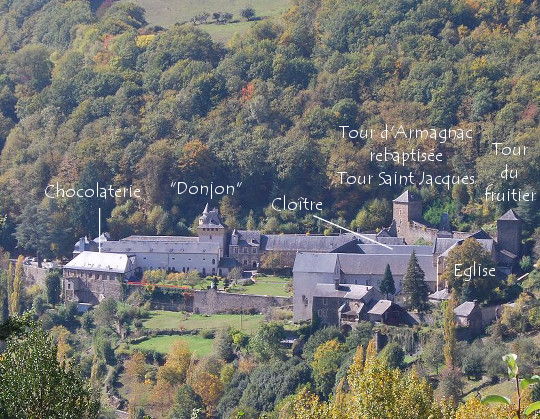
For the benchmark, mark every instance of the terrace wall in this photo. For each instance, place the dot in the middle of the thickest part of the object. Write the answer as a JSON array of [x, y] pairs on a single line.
[[214, 302]]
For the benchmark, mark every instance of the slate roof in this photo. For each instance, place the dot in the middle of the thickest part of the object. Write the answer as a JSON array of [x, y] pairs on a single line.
[[246, 238], [376, 249], [83, 245], [389, 240], [347, 310], [481, 234], [465, 309], [228, 263], [103, 238], [159, 246], [210, 219], [347, 291], [510, 215], [304, 242], [315, 262], [487, 244], [440, 295], [380, 307], [161, 238], [373, 264], [407, 197], [443, 244], [102, 262], [508, 254]]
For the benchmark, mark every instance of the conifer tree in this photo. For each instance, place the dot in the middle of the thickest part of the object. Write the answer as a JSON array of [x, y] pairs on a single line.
[[415, 288], [251, 223], [449, 325], [387, 285], [17, 288]]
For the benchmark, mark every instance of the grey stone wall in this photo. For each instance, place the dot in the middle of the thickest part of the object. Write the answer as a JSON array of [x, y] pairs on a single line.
[[214, 302], [34, 275]]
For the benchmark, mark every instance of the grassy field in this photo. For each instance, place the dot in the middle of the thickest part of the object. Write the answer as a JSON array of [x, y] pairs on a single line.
[[504, 388], [268, 285], [175, 320], [168, 12], [197, 344]]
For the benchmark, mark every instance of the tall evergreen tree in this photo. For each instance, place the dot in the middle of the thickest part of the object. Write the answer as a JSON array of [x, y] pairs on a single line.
[[15, 298], [415, 288], [251, 223], [387, 285], [53, 287], [449, 325]]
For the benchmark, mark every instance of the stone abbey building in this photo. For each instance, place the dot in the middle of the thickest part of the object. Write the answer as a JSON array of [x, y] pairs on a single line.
[[342, 259], [366, 266]]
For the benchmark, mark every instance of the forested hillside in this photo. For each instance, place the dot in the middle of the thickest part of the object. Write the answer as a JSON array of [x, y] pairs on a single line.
[[102, 97]]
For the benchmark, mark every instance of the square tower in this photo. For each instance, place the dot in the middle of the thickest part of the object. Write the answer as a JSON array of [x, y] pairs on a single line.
[[509, 232], [212, 230], [406, 208]]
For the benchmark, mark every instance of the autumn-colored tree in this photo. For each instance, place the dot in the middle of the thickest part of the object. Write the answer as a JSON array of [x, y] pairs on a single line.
[[196, 161], [209, 387], [449, 327], [251, 224], [473, 408], [135, 366], [175, 369], [17, 288], [326, 362], [306, 405], [272, 261], [374, 391], [465, 255], [60, 335], [229, 210]]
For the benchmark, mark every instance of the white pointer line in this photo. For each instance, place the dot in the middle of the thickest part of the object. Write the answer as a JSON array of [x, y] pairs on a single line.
[[353, 232], [99, 228]]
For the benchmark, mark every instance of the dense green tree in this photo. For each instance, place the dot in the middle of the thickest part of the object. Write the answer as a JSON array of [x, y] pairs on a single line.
[[415, 289], [34, 230], [376, 214], [186, 401], [393, 355], [387, 285], [467, 254], [224, 345], [31, 66], [34, 384], [266, 343], [53, 287], [432, 355], [319, 337], [271, 382]]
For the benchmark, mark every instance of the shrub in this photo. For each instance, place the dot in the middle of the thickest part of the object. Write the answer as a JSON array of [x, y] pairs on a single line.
[[207, 334]]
